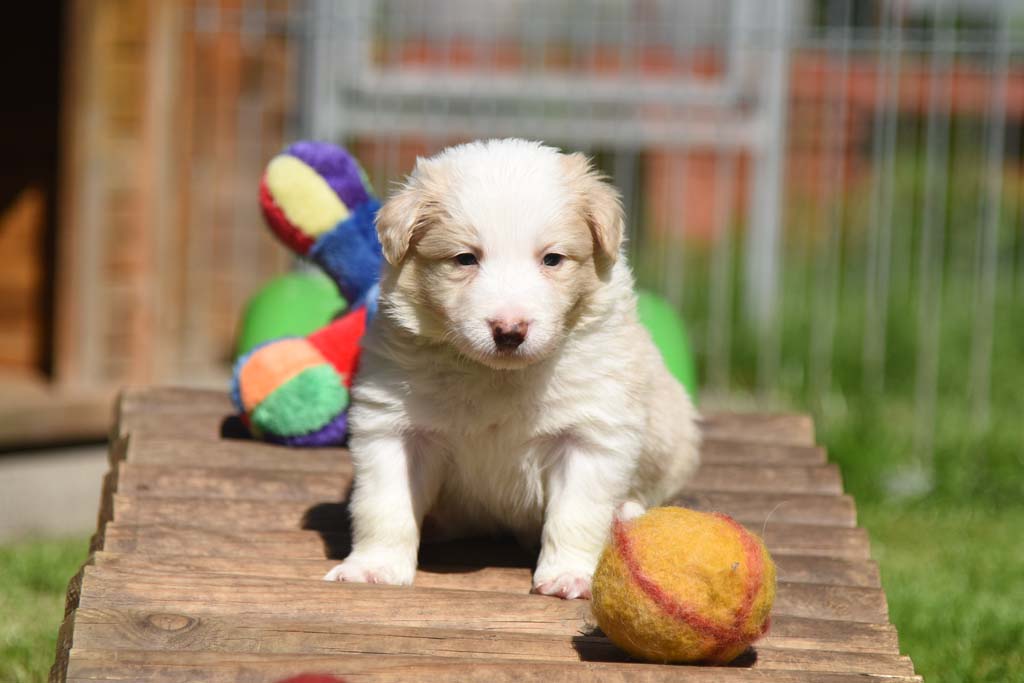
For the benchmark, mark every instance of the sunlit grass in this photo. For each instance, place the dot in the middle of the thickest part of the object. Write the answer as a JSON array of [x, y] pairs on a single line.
[[954, 576], [33, 580]]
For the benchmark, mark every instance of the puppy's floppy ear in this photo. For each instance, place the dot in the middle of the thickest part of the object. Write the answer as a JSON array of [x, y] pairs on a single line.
[[397, 221], [600, 203], [412, 209]]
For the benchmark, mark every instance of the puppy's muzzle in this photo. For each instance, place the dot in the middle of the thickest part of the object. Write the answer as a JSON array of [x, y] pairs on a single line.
[[509, 334]]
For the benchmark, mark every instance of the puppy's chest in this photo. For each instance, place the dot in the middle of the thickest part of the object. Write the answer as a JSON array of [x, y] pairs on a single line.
[[497, 443], [497, 472], [468, 409], [494, 434]]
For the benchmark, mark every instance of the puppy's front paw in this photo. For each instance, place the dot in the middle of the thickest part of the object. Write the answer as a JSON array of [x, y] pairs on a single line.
[[568, 585], [374, 568]]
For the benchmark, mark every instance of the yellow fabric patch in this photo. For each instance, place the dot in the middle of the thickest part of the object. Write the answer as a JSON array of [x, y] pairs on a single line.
[[305, 198], [694, 561]]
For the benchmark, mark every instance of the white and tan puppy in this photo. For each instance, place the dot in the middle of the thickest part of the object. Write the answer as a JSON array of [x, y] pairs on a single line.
[[506, 384]]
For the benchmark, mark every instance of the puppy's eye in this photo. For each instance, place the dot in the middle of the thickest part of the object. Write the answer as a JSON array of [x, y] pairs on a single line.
[[552, 260], [466, 259]]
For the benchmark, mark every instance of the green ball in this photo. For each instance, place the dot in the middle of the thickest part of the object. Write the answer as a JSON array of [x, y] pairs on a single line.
[[669, 334], [290, 305]]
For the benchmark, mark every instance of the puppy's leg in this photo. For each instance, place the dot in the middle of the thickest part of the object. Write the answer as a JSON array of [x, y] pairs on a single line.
[[396, 481], [583, 490]]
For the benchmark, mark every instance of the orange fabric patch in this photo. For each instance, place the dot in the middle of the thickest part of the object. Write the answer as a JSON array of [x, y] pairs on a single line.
[[273, 365]]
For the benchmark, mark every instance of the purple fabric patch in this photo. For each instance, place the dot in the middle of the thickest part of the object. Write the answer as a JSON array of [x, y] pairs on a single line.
[[337, 167], [331, 434]]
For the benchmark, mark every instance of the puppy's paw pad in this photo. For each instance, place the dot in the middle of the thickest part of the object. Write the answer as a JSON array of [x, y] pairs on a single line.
[[568, 586], [355, 570]]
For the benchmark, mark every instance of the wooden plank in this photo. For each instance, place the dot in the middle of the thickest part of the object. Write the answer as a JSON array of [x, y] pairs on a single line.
[[331, 518], [222, 482], [318, 483], [215, 667], [132, 629], [311, 545], [227, 484], [173, 411], [757, 508], [768, 478], [270, 598], [145, 448], [173, 399], [790, 428], [731, 451], [35, 414], [758, 511], [795, 599], [195, 425]]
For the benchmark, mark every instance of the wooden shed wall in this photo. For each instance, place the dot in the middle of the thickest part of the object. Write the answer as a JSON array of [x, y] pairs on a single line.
[[171, 110]]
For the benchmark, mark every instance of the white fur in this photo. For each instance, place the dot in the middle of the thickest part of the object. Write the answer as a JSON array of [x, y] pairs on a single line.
[[545, 442]]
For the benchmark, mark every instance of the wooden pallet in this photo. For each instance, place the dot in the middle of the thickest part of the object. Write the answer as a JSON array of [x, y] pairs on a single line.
[[207, 560]]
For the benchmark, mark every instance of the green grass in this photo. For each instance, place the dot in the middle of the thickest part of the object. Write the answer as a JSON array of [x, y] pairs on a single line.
[[954, 576], [33, 579]]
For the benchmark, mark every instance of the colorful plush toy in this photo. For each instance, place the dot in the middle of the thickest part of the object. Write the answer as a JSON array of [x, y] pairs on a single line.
[[676, 585], [294, 390], [298, 302]]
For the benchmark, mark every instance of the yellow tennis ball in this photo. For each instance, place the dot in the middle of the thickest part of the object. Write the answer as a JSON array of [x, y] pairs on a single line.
[[676, 585]]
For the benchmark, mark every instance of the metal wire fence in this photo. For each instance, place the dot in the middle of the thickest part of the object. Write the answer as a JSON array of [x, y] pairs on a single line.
[[829, 191]]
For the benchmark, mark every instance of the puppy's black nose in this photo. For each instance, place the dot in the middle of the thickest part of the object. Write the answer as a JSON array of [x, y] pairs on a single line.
[[509, 334]]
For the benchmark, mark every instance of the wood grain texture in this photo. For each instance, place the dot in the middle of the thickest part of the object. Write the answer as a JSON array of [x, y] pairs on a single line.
[[259, 597], [286, 489], [127, 628], [197, 412], [331, 519], [215, 481], [786, 428], [312, 545], [217, 667], [812, 600], [208, 555], [146, 448]]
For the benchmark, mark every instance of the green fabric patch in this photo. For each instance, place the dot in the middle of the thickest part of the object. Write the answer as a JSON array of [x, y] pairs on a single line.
[[303, 404]]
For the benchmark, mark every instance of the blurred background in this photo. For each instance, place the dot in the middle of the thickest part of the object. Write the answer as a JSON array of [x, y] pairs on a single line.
[[830, 192]]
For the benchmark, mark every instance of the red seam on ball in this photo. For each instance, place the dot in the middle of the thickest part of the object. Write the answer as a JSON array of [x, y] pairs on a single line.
[[755, 572]]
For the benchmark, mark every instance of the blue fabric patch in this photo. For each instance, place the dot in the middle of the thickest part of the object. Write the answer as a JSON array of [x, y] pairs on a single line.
[[351, 254]]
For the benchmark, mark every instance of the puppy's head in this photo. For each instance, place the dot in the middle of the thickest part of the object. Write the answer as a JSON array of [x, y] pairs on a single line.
[[498, 248]]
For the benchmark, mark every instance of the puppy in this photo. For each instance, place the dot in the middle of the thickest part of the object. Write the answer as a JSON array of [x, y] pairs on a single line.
[[506, 383]]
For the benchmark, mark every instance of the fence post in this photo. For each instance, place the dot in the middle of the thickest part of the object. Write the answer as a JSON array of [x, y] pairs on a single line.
[[767, 182]]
